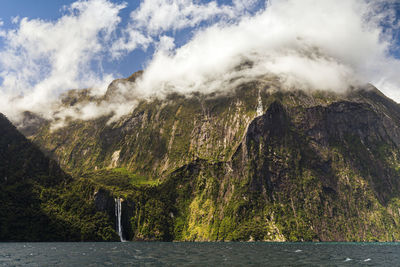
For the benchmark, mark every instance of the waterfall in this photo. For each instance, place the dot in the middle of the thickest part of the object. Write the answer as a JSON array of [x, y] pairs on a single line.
[[118, 214], [260, 109]]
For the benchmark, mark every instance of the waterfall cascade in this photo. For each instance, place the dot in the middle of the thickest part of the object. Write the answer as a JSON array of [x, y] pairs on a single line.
[[118, 214], [260, 109]]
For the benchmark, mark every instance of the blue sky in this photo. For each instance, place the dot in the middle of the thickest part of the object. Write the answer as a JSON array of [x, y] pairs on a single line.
[[52, 10], [135, 60], [49, 47]]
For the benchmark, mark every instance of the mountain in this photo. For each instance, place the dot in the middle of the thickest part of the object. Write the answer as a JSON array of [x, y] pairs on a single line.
[[39, 201], [253, 163]]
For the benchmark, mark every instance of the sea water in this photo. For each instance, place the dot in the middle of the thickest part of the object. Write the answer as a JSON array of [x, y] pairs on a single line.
[[199, 254]]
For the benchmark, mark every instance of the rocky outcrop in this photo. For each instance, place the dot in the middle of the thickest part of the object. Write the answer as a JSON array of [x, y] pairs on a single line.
[[104, 201], [305, 166]]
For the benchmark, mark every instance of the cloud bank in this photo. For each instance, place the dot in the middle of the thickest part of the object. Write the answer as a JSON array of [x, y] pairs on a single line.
[[41, 59], [326, 45], [308, 44]]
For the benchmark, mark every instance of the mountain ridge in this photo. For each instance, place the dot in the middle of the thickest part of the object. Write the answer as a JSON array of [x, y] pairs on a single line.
[[257, 163], [40, 202]]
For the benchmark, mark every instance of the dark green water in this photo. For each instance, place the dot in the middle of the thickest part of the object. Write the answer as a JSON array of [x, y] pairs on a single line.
[[199, 254]]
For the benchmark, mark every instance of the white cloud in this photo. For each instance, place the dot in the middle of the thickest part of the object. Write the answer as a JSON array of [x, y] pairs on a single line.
[[155, 17], [326, 45], [323, 44], [93, 110], [2, 32], [166, 44], [44, 58], [15, 20], [132, 39], [241, 6]]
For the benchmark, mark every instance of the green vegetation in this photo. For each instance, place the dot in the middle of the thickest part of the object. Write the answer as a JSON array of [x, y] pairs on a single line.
[[118, 178], [39, 202], [315, 166], [78, 220]]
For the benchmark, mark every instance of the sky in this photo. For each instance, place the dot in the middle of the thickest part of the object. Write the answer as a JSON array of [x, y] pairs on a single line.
[[49, 47], [52, 10]]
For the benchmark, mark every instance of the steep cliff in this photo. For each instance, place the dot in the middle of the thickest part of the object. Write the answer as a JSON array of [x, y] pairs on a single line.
[[39, 202], [253, 163]]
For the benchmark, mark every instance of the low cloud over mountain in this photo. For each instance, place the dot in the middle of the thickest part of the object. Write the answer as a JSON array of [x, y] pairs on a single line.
[[307, 44]]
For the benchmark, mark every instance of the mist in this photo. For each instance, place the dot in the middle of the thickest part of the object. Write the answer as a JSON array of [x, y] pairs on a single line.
[[308, 44]]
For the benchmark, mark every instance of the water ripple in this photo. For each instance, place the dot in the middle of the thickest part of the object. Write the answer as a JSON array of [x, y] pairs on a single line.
[[189, 254]]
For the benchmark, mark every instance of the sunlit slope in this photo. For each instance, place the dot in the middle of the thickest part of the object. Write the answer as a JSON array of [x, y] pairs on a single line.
[[259, 163]]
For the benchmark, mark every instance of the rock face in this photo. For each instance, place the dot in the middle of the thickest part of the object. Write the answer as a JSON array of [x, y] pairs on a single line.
[[39, 201], [24, 170], [258, 163], [21, 160], [103, 201]]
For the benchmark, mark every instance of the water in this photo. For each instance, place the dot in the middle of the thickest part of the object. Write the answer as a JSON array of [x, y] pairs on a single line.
[[199, 254], [118, 214], [260, 109]]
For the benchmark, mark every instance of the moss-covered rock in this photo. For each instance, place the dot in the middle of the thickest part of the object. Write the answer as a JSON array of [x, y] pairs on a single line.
[[258, 163]]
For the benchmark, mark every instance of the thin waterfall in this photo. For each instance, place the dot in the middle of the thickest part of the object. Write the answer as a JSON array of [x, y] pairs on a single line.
[[118, 214], [260, 109]]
